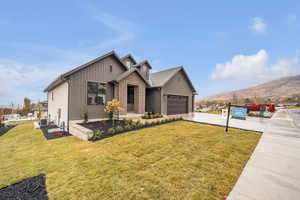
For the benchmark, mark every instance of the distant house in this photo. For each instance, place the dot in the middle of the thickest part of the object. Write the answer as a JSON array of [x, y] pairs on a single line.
[[11, 117], [40, 110], [87, 88]]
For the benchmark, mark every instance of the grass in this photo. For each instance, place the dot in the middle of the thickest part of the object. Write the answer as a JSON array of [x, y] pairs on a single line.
[[180, 160]]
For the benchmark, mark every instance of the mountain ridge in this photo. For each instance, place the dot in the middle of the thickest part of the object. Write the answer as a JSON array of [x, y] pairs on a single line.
[[276, 89]]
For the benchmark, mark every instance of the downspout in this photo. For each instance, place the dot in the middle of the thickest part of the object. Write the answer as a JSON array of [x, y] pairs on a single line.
[[68, 116]]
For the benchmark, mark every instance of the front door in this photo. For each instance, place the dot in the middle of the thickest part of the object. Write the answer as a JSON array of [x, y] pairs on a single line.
[[130, 98]]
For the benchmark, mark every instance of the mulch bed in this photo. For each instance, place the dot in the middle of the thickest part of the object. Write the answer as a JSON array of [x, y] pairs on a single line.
[[107, 124], [51, 136], [103, 125], [33, 188], [4, 130]]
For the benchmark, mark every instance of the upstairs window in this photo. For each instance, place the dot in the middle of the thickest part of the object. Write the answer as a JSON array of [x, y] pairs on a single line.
[[110, 68], [96, 93]]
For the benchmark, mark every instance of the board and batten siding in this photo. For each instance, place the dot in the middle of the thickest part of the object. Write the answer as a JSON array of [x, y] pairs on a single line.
[[153, 100], [177, 85], [139, 93], [97, 72], [58, 99]]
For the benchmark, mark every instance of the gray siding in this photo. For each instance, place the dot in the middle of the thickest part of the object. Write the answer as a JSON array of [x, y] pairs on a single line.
[[144, 70], [128, 60], [177, 85], [99, 72], [153, 100]]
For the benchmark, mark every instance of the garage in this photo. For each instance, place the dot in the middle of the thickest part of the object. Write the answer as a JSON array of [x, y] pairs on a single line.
[[177, 104]]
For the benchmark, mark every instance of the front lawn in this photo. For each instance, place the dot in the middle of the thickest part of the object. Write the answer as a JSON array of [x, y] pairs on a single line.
[[180, 160]]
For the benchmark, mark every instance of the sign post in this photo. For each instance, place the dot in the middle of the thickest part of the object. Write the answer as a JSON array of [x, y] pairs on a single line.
[[228, 114]]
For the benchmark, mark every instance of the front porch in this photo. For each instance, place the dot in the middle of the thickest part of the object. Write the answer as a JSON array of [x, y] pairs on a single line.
[[131, 92]]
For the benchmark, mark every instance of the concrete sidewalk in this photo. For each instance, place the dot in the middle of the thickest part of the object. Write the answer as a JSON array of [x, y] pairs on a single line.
[[273, 171], [251, 123]]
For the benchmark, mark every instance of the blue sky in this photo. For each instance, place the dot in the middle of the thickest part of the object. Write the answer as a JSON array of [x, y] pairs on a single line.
[[223, 45]]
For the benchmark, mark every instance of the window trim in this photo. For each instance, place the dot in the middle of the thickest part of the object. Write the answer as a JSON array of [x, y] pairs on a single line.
[[99, 82]]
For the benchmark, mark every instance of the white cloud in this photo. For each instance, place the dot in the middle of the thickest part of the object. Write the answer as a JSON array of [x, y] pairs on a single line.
[[258, 26], [17, 80], [255, 68], [123, 29]]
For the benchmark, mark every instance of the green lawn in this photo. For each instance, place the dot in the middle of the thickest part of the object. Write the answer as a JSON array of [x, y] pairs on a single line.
[[180, 160]]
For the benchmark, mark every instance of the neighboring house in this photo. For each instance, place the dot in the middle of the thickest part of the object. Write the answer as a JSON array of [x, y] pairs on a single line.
[[40, 110], [87, 88]]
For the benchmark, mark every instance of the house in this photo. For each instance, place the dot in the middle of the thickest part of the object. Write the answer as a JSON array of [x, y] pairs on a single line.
[[87, 88], [40, 110]]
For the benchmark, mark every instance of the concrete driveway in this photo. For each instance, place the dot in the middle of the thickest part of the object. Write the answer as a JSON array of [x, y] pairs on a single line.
[[273, 171], [251, 123]]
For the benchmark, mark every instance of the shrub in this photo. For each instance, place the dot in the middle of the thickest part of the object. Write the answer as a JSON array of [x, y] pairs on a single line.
[[126, 127], [130, 121], [111, 131], [146, 124], [112, 108], [126, 121], [141, 125], [98, 134], [157, 115], [180, 118], [119, 129], [132, 125]]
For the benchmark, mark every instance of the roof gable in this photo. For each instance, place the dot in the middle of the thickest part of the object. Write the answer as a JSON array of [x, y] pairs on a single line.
[[159, 79], [145, 62], [130, 71], [130, 57], [62, 78]]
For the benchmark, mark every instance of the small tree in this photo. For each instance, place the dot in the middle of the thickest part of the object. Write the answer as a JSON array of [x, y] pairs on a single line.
[[113, 107]]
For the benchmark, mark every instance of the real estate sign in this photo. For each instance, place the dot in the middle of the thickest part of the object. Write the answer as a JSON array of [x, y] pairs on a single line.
[[239, 112]]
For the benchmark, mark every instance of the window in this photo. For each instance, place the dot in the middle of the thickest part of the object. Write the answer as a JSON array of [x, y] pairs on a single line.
[[110, 68], [96, 93], [52, 97], [128, 63]]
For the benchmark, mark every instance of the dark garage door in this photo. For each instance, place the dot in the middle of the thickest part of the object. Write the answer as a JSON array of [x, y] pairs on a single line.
[[177, 104]]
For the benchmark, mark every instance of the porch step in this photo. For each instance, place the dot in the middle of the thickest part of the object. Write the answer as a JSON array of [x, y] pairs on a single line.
[[80, 131]]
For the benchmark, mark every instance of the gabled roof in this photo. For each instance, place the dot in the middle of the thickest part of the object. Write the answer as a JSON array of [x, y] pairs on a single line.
[[130, 71], [159, 79], [62, 78], [130, 57], [143, 63]]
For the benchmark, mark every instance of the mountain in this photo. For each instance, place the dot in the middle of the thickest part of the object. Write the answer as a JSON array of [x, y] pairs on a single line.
[[276, 89]]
